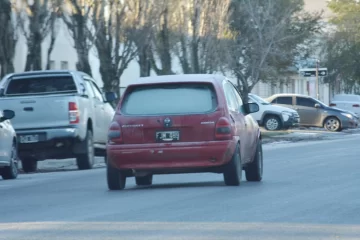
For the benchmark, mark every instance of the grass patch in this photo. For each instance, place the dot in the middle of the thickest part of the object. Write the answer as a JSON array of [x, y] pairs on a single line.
[[270, 134]]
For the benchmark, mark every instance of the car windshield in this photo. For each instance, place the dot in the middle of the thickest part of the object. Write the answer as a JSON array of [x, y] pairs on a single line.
[[162, 99], [258, 99]]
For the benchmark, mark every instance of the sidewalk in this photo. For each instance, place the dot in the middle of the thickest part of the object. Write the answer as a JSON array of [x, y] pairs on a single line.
[[309, 134]]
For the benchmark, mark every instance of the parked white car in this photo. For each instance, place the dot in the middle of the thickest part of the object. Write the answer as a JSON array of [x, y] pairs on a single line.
[[348, 102], [8, 146], [273, 117]]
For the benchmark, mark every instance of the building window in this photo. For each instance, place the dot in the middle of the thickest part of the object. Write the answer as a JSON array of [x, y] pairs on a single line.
[[52, 65], [64, 65]]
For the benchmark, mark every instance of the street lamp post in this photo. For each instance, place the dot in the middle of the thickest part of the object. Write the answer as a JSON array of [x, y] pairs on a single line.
[[317, 78]]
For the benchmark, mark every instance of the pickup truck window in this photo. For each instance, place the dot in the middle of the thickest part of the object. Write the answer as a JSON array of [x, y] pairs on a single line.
[[97, 92], [89, 89], [40, 85]]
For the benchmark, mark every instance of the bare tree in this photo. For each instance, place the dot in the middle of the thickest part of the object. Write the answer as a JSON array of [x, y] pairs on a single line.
[[77, 15], [8, 38], [200, 30], [163, 40], [117, 35], [37, 18], [143, 14], [266, 34]]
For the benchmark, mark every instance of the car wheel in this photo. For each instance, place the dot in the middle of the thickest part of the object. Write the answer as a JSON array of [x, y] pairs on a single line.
[[11, 171], [332, 124], [233, 170], [116, 179], [144, 181], [29, 164], [86, 160], [254, 170], [272, 123]]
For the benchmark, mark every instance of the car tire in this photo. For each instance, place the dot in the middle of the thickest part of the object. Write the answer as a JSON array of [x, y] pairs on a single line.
[[116, 179], [233, 170], [29, 164], [86, 161], [272, 123], [254, 170], [144, 181], [11, 172], [332, 124]]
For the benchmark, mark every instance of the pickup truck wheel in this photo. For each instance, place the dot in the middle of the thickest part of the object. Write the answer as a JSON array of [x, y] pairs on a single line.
[[29, 164], [116, 180], [144, 181], [272, 123], [11, 172], [254, 170], [233, 170], [86, 160]]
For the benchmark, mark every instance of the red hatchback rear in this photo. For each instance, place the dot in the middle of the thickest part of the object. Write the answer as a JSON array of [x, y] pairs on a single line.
[[183, 124]]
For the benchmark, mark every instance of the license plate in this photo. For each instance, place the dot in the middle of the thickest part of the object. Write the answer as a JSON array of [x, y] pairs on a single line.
[[167, 136], [33, 138]]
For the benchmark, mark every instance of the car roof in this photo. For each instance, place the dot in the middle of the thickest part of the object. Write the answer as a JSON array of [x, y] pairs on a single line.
[[179, 78], [289, 95], [45, 72]]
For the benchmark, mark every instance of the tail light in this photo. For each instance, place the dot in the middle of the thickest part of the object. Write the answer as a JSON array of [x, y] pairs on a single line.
[[73, 113], [114, 134], [223, 129], [356, 105], [332, 105]]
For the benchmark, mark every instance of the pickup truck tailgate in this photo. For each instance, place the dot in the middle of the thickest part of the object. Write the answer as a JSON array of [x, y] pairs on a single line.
[[32, 112]]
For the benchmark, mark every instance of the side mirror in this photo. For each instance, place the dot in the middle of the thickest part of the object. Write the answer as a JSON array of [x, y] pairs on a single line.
[[317, 105], [7, 115], [2, 92], [110, 96], [251, 108]]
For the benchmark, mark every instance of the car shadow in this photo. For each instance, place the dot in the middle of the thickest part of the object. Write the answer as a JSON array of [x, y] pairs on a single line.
[[244, 184]]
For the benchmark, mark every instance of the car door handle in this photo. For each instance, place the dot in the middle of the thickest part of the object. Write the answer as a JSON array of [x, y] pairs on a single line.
[[29, 109]]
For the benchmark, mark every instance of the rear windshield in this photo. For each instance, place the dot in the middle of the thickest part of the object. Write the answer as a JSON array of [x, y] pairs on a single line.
[[40, 85], [164, 99], [350, 98]]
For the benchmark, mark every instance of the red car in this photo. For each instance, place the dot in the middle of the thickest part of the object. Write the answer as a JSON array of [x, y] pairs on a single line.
[[183, 124]]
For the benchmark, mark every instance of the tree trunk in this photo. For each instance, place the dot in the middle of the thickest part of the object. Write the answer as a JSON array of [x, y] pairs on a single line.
[[81, 45], [51, 48], [144, 62], [34, 59], [52, 41]]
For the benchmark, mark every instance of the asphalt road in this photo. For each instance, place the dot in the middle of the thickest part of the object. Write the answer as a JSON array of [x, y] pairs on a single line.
[[310, 191]]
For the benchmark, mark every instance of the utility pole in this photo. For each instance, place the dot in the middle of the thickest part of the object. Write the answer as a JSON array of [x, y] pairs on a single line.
[[317, 79]]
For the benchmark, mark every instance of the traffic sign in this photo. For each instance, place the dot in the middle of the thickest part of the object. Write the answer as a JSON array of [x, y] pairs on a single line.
[[311, 72]]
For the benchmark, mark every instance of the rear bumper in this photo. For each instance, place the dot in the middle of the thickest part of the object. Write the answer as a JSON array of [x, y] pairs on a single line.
[[166, 156], [57, 143]]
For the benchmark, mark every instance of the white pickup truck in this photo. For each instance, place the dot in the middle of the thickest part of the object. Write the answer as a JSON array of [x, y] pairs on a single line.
[[58, 115]]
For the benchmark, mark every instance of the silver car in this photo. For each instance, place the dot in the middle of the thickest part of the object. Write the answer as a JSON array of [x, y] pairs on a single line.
[[8, 146], [314, 113]]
